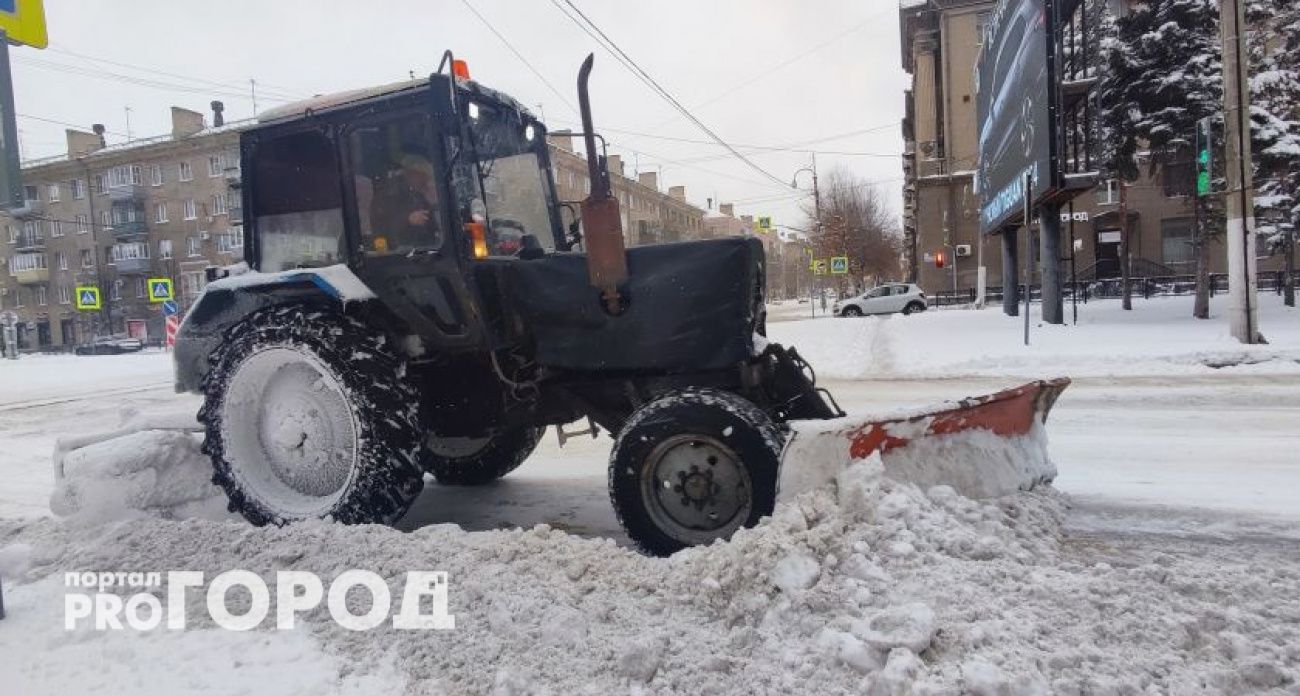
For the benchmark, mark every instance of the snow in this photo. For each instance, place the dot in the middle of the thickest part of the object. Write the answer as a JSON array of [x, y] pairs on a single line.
[[338, 280], [1158, 337], [867, 580]]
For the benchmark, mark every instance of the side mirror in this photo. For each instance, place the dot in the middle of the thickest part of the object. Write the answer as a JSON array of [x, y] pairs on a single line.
[[572, 222]]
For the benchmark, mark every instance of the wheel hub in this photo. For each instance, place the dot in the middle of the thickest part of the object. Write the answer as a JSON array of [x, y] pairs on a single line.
[[289, 432], [694, 485]]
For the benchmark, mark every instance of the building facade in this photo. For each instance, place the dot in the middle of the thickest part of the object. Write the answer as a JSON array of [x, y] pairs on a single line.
[[650, 216], [113, 217], [941, 41]]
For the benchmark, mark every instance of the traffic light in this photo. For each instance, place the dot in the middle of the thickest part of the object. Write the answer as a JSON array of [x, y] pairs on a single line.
[[939, 259], [1204, 157]]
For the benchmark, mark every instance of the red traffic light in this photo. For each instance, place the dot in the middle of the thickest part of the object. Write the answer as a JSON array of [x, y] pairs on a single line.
[[939, 260]]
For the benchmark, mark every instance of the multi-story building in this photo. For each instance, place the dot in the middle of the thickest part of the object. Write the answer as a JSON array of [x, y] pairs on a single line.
[[113, 217], [649, 215], [941, 41]]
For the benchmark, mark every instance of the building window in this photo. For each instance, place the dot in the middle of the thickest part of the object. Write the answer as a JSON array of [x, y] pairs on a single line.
[[1178, 173], [31, 193], [164, 248], [26, 262], [214, 165], [1108, 192], [56, 228], [41, 295], [78, 188], [32, 233], [219, 204], [87, 259], [65, 294], [117, 290], [1176, 241], [18, 297], [82, 223], [155, 174], [13, 234], [105, 219], [132, 251], [192, 283], [139, 287], [186, 173], [231, 242], [101, 184], [125, 175], [193, 246], [160, 212], [54, 193], [61, 260], [190, 213]]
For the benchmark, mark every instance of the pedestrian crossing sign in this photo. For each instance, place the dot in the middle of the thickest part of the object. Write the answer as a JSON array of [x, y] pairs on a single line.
[[160, 290], [839, 265], [764, 223], [88, 298]]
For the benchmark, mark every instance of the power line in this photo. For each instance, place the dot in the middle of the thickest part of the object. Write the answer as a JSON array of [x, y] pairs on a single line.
[[610, 46], [520, 56], [140, 68], [62, 123], [130, 79]]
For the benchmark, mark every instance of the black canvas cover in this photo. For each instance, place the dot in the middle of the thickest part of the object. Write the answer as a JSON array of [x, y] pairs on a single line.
[[691, 306]]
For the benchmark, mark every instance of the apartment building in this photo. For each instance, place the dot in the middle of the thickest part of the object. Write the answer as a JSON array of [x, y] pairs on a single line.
[[113, 216], [650, 216], [941, 41]]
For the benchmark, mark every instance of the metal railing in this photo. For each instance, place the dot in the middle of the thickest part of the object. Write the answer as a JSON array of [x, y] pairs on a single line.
[[1112, 288]]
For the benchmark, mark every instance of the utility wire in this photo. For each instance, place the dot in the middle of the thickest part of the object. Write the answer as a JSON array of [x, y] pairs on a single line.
[[227, 85], [62, 123], [521, 57], [129, 79], [610, 46]]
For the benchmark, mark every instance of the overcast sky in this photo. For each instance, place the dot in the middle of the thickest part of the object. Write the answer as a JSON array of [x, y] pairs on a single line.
[[729, 61]]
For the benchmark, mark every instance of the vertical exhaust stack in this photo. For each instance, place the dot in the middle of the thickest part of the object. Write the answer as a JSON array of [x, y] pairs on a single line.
[[601, 222]]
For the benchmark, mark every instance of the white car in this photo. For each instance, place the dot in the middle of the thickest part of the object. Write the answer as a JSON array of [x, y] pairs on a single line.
[[885, 299]]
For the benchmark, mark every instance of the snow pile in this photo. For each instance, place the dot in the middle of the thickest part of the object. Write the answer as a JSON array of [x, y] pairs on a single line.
[[1157, 337], [151, 472], [866, 584]]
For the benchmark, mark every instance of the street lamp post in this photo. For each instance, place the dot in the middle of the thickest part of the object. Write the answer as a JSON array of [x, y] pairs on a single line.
[[817, 221]]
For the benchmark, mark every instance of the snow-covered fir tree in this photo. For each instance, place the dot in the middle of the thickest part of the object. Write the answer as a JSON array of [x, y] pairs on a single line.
[[1275, 120]]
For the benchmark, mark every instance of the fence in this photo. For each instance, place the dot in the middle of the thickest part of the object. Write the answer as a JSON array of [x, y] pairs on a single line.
[[1112, 288]]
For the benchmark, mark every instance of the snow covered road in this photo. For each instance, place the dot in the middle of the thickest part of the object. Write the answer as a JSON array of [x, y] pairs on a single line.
[[1172, 568]]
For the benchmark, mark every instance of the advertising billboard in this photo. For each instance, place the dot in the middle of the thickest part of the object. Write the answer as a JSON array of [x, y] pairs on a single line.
[[1014, 94]]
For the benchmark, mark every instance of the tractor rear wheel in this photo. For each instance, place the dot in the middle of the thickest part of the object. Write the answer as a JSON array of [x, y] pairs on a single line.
[[463, 461], [693, 466], [308, 415]]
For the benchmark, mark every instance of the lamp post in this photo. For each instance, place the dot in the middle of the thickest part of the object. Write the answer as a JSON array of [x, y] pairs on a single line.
[[817, 214]]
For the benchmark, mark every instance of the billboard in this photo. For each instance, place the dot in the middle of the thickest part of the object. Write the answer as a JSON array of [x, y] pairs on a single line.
[[1014, 98]]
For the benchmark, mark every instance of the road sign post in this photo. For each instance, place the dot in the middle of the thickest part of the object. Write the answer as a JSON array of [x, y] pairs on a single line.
[[21, 22]]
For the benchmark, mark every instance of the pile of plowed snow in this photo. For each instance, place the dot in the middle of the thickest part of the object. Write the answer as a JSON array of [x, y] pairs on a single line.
[[864, 585]]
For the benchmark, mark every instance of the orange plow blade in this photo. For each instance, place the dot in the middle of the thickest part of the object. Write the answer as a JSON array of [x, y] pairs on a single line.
[[983, 446]]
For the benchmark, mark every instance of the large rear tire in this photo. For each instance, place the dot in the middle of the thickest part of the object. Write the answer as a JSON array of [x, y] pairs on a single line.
[[459, 461], [308, 415], [692, 467]]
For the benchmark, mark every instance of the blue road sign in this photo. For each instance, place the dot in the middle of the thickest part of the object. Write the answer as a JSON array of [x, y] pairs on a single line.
[[170, 307]]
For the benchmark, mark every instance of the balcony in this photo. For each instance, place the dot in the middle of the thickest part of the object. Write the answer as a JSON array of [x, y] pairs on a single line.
[[130, 230], [132, 266], [129, 192], [30, 269], [29, 242]]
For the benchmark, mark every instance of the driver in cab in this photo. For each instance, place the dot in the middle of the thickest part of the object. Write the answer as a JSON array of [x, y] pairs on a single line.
[[405, 209]]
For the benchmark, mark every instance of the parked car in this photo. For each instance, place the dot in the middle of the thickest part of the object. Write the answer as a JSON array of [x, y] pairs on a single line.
[[110, 345], [884, 299]]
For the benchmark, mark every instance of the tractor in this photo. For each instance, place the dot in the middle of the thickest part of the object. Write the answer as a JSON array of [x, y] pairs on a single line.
[[417, 300]]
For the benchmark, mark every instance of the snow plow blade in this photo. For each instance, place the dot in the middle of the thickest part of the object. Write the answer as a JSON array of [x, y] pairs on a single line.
[[982, 446]]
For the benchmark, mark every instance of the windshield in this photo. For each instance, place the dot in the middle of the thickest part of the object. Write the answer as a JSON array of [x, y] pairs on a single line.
[[516, 192]]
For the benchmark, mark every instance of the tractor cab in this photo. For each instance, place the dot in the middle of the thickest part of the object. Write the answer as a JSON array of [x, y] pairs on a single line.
[[416, 187]]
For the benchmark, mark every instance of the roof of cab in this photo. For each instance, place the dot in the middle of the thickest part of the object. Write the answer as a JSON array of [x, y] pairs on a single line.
[[322, 102]]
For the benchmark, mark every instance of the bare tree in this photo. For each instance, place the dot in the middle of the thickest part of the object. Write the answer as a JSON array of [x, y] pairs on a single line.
[[857, 223]]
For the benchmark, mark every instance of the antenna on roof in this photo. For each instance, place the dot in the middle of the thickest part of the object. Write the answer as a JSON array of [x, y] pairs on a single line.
[[252, 92]]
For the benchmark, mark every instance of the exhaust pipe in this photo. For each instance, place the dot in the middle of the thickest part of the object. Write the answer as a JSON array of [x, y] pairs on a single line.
[[601, 222]]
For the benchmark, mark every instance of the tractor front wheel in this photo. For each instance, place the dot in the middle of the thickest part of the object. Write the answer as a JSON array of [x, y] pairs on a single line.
[[308, 415], [464, 461], [693, 466]]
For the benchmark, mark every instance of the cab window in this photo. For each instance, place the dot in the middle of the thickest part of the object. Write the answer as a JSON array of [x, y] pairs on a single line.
[[398, 205], [296, 195]]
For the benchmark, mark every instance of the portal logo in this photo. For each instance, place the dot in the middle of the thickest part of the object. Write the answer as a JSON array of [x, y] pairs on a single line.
[[93, 605]]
